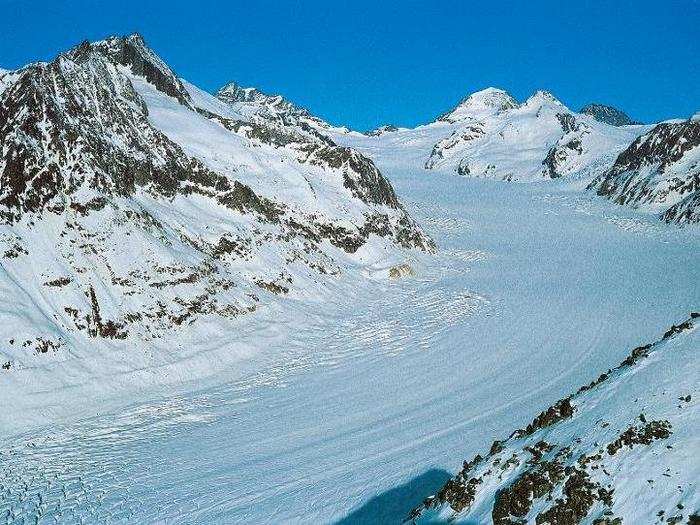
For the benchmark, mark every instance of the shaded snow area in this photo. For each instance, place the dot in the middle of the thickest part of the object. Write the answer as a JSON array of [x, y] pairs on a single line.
[[221, 309]]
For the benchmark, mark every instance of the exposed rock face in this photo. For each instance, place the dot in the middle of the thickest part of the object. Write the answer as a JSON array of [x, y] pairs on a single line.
[[568, 146], [388, 128], [661, 169], [133, 53], [608, 114], [664, 145], [566, 467], [361, 175], [152, 230], [685, 211], [76, 125]]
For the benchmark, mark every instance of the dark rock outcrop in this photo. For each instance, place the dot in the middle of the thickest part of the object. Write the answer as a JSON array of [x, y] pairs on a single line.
[[608, 115], [523, 472], [659, 168]]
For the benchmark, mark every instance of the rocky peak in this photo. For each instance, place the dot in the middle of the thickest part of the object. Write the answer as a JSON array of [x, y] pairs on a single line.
[[259, 103], [482, 103], [131, 51], [664, 145], [607, 114], [233, 92], [77, 122], [661, 167], [381, 130]]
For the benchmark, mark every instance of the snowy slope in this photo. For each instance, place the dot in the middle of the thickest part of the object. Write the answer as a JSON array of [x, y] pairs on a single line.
[[659, 170], [141, 220], [622, 449], [495, 137], [354, 405], [482, 104], [5, 79]]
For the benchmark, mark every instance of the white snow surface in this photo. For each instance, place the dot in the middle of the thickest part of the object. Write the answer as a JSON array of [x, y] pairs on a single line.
[[484, 103], [136, 294], [354, 396], [490, 135], [649, 479], [359, 398]]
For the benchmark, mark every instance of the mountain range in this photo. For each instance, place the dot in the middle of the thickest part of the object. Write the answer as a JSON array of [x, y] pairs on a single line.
[[135, 204], [144, 220], [491, 135]]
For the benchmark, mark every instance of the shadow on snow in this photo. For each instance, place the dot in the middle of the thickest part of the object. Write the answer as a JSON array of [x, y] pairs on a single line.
[[394, 505]]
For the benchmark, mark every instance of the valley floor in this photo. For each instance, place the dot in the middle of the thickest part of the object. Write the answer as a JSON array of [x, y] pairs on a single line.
[[360, 405]]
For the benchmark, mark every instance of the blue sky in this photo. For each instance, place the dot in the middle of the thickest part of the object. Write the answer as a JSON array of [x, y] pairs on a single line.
[[365, 63]]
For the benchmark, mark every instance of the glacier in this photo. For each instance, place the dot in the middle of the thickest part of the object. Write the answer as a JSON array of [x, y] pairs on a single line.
[[358, 392]]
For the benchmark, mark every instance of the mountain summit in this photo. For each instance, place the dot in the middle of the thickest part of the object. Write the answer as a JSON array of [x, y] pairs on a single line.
[[233, 92], [166, 211], [493, 136], [479, 104], [608, 114], [252, 101]]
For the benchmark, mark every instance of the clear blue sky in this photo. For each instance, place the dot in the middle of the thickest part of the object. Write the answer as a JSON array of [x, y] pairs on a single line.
[[365, 63]]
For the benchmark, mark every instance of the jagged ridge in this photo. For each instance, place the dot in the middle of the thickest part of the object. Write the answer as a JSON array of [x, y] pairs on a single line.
[[608, 115], [661, 168], [558, 471]]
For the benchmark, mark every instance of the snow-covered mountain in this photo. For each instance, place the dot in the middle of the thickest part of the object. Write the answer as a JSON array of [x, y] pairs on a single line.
[[252, 104], [484, 103], [616, 451], [494, 136], [491, 135], [217, 309], [387, 128], [139, 211], [660, 169], [608, 114]]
